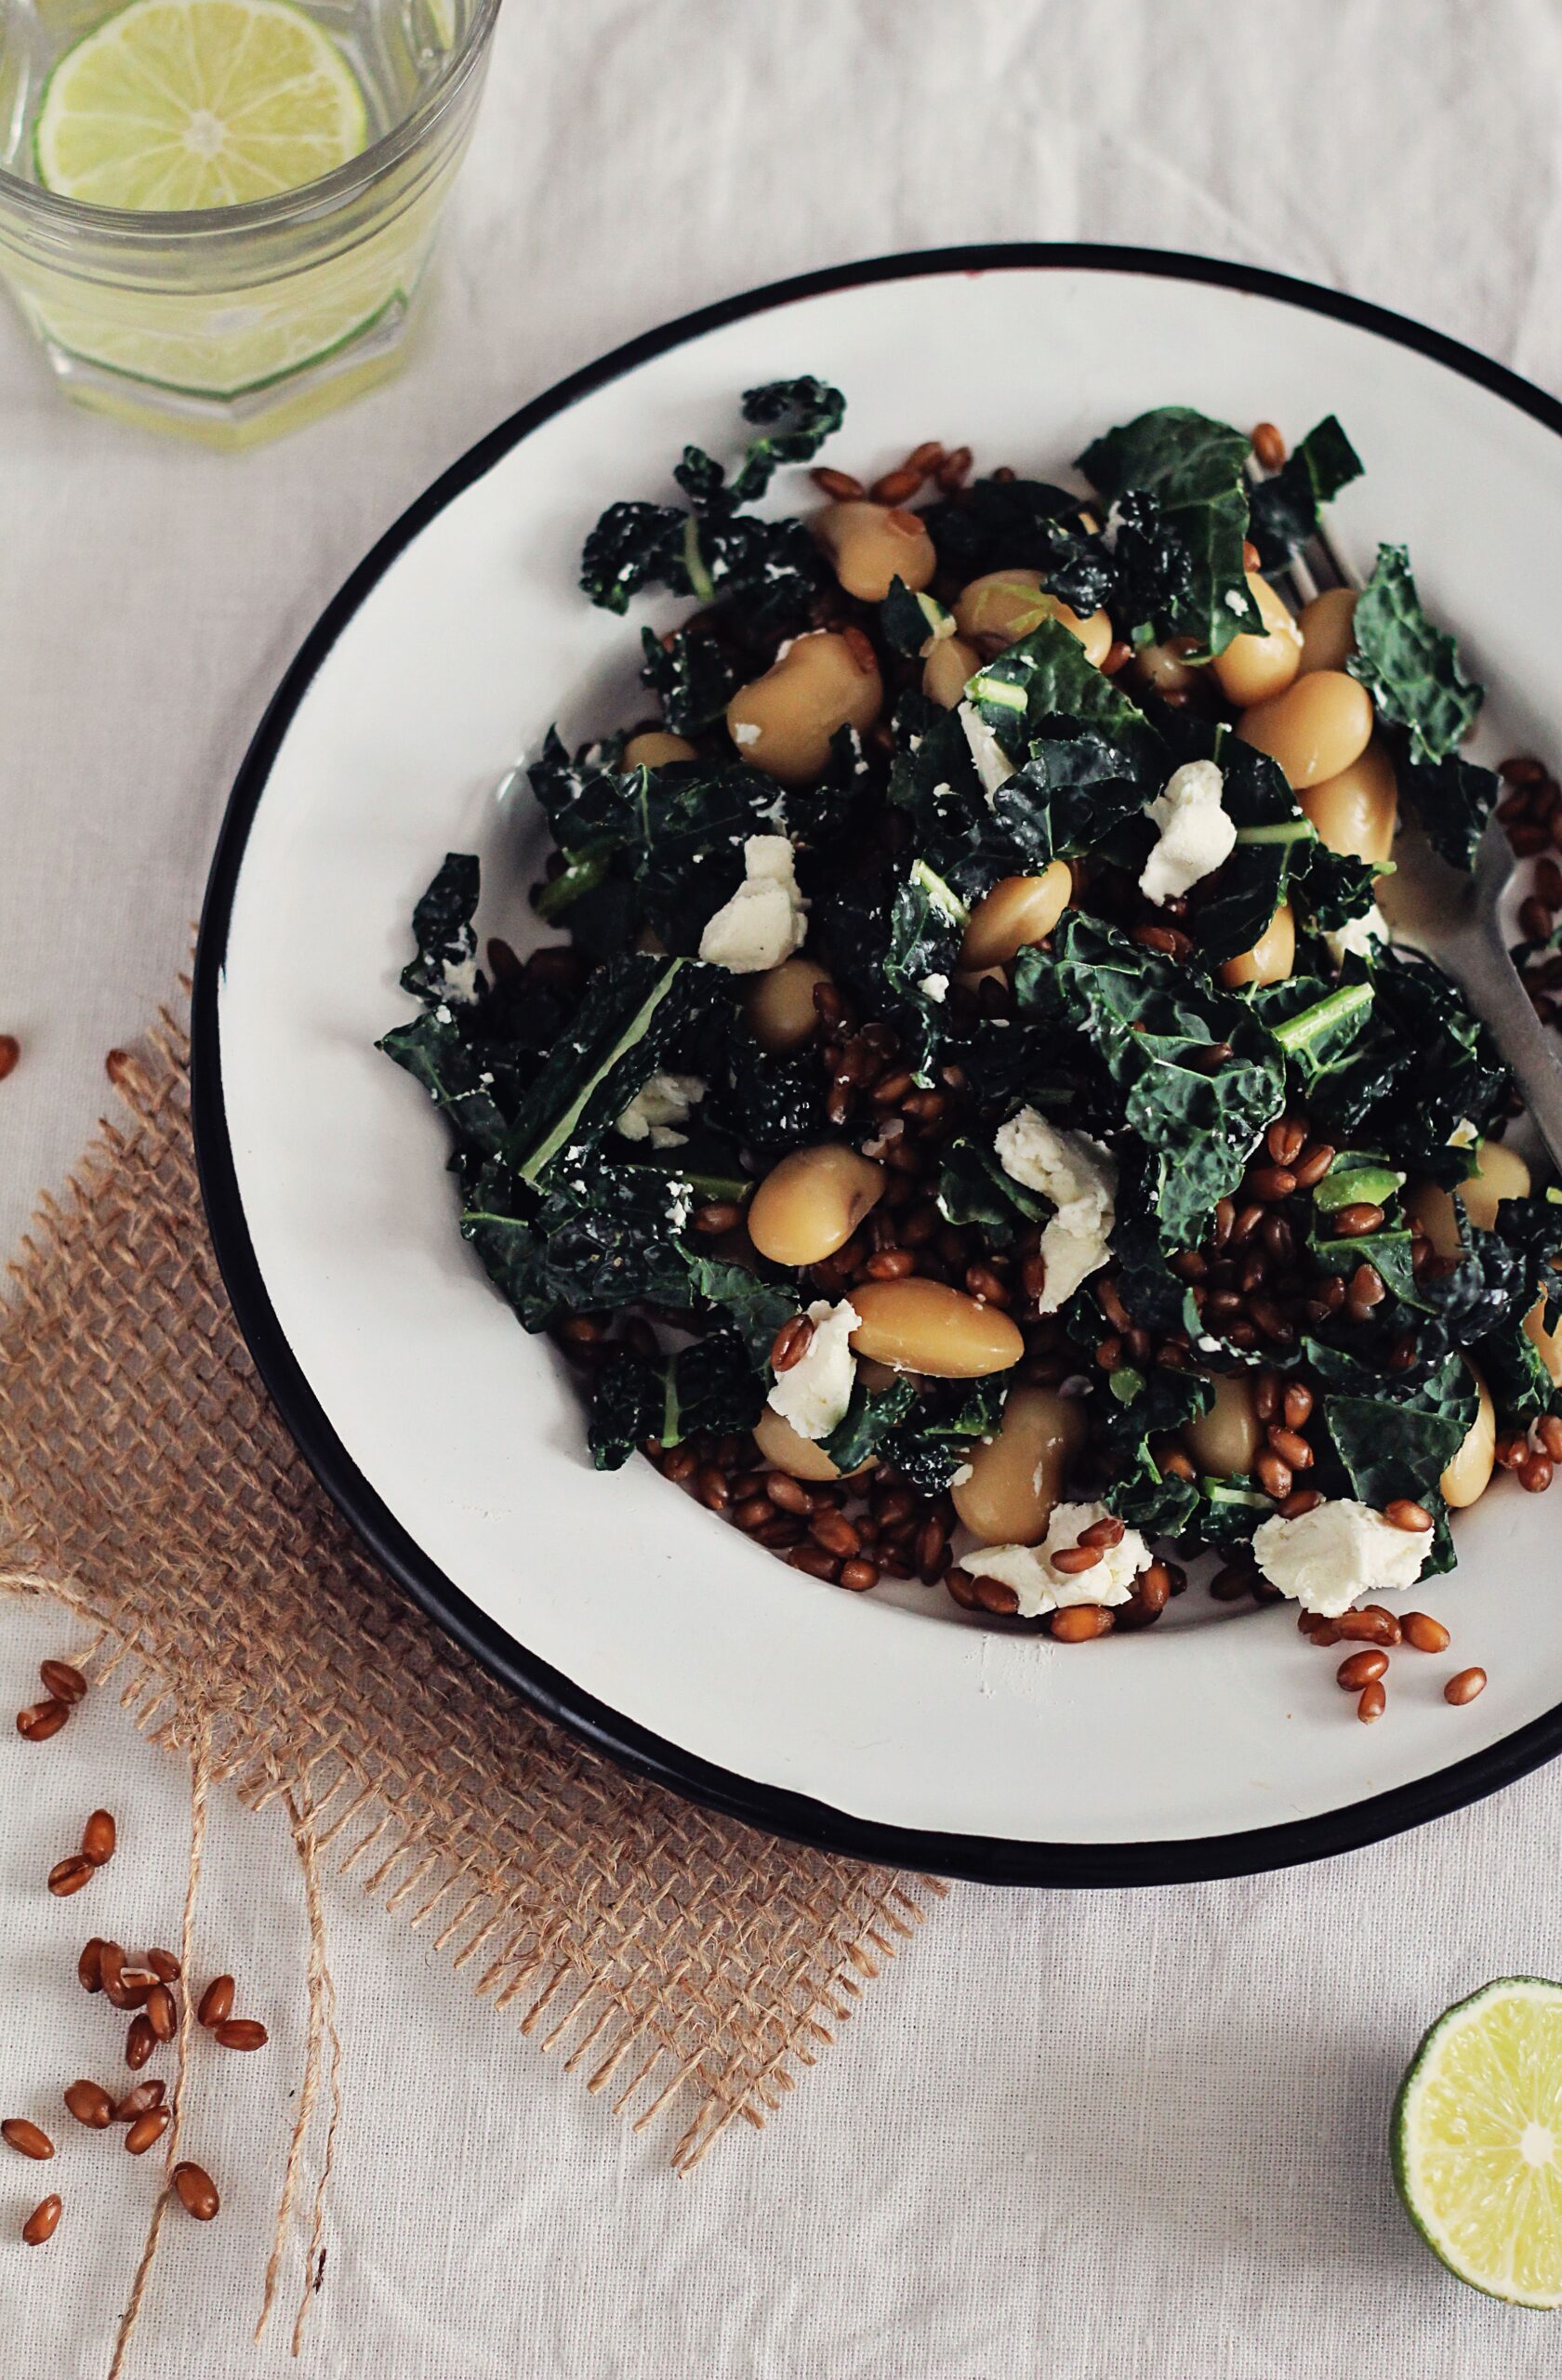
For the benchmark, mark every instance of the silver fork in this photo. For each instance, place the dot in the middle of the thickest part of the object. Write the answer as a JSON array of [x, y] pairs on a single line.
[[1456, 919]]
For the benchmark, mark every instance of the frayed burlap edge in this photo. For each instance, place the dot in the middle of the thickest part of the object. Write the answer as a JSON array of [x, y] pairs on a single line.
[[674, 1958]]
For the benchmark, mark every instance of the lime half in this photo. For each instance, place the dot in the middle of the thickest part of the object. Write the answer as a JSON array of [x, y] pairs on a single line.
[[194, 103], [1476, 2138]]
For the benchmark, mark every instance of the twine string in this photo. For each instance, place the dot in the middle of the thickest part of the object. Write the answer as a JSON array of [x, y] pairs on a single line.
[[300, 1816]]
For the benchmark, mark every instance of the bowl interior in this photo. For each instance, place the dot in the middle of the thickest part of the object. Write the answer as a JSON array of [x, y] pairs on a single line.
[[1153, 1754]]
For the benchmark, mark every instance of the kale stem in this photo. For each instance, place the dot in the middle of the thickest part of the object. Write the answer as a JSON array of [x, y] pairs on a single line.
[[1301, 1031]]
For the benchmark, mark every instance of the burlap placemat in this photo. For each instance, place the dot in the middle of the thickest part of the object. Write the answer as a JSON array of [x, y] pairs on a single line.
[[680, 1960]]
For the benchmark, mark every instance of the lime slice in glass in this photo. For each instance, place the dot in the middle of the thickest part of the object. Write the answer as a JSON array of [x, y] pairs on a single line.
[[194, 103], [1476, 2138]]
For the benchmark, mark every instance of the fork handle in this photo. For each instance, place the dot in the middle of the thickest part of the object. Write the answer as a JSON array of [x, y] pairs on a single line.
[[1491, 984]]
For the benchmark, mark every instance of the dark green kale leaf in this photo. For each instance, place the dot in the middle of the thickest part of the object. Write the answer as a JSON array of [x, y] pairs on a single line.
[[626, 1402], [1194, 470], [716, 1385], [1156, 1299], [1152, 568], [444, 971], [1045, 680], [1230, 1511], [1153, 1023], [1421, 1065], [634, 1011], [1394, 1434], [1515, 1371], [437, 1053], [1321, 1028], [1138, 1490], [1072, 793], [973, 1188], [1329, 889], [907, 622], [595, 1242], [927, 921], [890, 940], [1006, 1060], [1488, 1294], [674, 835], [794, 419], [713, 550], [758, 1299], [712, 1385], [1450, 800], [1272, 834], [1410, 668], [868, 1422], [765, 1101], [1023, 524], [943, 1428], [692, 674], [634, 546], [1283, 510]]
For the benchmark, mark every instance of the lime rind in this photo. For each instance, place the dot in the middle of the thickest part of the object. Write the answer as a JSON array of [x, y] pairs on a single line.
[[179, 105], [1493, 2063]]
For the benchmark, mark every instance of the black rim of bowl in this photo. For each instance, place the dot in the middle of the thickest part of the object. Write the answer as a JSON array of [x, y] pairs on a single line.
[[985, 1859]]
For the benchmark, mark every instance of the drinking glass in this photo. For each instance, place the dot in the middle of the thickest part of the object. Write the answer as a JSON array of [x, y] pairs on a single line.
[[229, 323]]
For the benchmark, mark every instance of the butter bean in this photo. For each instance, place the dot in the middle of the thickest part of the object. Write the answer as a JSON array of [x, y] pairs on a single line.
[[1254, 668], [655, 748], [779, 1004], [1224, 1441], [781, 1445], [1019, 1477], [1468, 1474], [783, 723], [1548, 1342], [1018, 909], [1272, 957], [871, 545], [810, 1203], [1502, 1173], [1356, 811], [926, 1327], [1004, 606], [946, 670], [1328, 626], [1165, 667], [1315, 729]]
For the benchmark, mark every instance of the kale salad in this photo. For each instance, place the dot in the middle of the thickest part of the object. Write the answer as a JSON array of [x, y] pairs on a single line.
[[971, 1121]]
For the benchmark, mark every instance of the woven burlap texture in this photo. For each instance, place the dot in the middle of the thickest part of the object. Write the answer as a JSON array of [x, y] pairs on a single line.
[[680, 1961]]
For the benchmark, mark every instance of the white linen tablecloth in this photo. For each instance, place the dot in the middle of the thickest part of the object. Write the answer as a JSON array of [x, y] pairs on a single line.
[[1128, 2135]]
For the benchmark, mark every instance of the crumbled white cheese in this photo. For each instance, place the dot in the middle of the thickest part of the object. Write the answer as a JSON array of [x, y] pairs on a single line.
[[814, 1394], [747, 731], [767, 917], [1355, 938], [1195, 834], [1028, 1569], [1080, 1178], [681, 1202], [1326, 1558], [1237, 601], [458, 980], [934, 987], [660, 1108], [993, 764], [958, 1477]]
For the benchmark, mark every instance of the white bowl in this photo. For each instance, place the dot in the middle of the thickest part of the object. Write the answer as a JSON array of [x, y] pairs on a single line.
[[888, 1724]]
